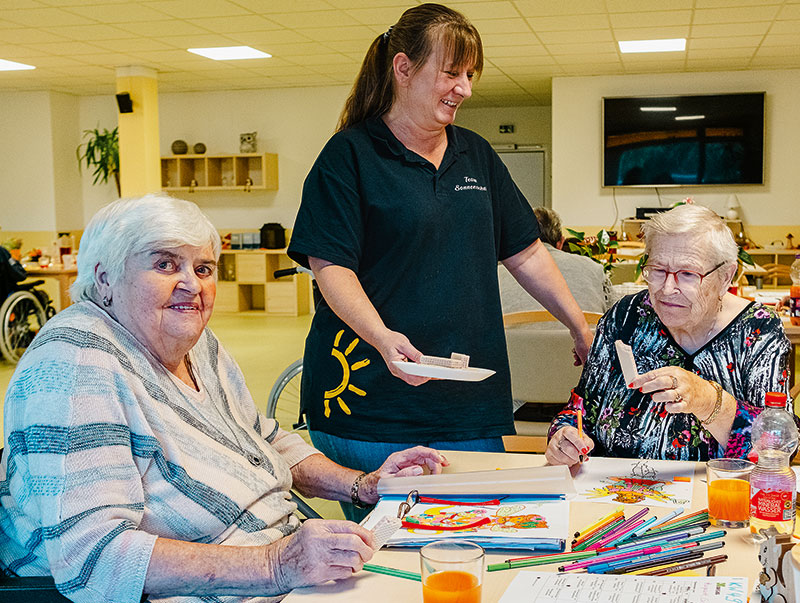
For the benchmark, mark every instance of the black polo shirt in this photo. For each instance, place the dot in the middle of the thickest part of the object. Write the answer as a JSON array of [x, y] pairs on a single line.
[[424, 244]]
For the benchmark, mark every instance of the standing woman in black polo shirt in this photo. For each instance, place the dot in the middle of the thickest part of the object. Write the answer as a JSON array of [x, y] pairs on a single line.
[[403, 219]]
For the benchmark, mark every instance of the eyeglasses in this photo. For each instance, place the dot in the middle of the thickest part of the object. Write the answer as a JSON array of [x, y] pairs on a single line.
[[685, 279]]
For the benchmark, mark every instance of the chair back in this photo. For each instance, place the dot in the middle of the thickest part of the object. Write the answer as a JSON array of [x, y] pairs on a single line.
[[540, 356]]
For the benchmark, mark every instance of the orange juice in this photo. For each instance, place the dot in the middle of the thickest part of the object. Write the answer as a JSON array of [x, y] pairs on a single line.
[[729, 500], [451, 587]]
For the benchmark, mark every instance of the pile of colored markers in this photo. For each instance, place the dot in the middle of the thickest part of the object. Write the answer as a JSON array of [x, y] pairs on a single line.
[[651, 547]]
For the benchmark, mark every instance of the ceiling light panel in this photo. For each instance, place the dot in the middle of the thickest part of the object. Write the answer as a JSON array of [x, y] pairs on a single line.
[[230, 53], [669, 45]]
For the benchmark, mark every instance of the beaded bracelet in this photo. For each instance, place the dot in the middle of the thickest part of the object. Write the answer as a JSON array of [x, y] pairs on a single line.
[[354, 492], [717, 406]]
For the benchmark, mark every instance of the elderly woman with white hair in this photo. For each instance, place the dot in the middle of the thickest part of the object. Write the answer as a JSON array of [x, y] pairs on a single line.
[[705, 357], [135, 460]]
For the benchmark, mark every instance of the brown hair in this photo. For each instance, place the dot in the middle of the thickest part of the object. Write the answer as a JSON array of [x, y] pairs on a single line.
[[415, 35], [549, 225]]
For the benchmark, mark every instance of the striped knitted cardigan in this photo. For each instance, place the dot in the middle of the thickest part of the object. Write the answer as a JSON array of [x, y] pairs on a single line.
[[105, 450]]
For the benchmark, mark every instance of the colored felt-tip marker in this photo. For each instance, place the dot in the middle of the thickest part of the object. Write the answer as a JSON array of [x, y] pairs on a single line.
[[605, 518], [668, 517], [391, 571], [707, 562]]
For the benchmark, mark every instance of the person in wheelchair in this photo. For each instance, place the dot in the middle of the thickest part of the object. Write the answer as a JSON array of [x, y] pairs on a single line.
[[11, 273], [135, 459]]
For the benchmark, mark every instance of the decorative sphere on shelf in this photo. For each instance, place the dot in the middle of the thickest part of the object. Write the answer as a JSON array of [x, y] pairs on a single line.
[[179, 147], [199, 148]]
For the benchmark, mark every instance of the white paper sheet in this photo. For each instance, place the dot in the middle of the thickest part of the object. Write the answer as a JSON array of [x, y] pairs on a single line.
[[541, 587], [635, 481]]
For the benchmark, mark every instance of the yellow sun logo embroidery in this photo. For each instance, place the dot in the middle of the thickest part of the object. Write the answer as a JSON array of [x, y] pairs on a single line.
[[347, 368]]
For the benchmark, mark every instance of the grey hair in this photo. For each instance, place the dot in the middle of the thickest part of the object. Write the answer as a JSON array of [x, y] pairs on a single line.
[[709, 229], [549, 225], [127, 227]]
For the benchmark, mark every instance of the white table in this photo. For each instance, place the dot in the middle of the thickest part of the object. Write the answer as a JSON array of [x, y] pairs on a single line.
[[367, 587]]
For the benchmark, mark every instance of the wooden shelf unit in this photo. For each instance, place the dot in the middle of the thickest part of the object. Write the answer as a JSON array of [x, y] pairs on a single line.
[[774, 256], [243, 172], [246, 282]]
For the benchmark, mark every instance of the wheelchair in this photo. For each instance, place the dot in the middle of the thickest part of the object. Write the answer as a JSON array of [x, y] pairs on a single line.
[[22, 315]]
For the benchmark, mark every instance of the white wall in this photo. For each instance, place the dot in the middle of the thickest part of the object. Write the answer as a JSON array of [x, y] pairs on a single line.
[[98, 112], [295, 123], [66, 177], [577, 146], [532, 125], [26, 157]]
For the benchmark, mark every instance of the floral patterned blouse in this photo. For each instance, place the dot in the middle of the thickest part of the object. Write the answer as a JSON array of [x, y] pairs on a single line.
[[748, 358]]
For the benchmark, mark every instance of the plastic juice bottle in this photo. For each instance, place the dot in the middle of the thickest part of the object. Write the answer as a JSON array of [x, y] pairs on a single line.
[[773, 487]]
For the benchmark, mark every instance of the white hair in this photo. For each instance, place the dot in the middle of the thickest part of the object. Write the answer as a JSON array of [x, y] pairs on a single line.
[[710, 231], [127, 227]]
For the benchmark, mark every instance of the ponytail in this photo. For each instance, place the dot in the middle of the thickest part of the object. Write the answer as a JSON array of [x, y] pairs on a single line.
[[416, 34]]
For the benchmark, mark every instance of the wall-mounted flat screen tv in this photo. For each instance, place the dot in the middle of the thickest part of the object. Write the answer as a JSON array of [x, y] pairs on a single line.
[[708, 139]]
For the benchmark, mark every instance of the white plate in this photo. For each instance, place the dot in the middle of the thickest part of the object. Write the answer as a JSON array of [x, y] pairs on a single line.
[[443, 372]]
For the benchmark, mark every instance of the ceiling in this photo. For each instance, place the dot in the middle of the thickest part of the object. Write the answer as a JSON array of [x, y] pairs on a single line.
[[77, 44]]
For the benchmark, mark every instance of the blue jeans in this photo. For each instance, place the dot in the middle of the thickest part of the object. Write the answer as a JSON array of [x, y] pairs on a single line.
[[369, 456]]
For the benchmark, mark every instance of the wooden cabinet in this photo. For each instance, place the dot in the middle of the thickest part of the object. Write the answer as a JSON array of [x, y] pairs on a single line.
[[246, 282], [244, 172]]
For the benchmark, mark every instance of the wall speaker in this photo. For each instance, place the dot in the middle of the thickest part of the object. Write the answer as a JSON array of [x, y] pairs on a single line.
[[124, 102]]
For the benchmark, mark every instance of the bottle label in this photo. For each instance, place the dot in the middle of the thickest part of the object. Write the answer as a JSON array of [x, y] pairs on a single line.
[[772, 505]]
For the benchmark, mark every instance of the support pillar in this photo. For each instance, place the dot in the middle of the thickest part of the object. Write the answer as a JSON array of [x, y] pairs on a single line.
[[139, 151]]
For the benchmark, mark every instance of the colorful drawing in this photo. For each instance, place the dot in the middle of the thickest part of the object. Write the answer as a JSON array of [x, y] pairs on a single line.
[[347, 369], [505, 519], [631, 481]]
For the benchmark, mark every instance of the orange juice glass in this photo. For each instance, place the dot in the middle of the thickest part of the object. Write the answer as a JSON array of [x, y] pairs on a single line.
[[729, 492], [452, 572]]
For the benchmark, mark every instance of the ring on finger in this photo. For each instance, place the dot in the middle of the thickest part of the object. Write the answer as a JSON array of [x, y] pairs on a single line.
[[678, 398], [674, 382]]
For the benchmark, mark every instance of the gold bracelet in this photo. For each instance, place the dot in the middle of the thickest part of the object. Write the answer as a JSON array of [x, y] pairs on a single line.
[[717, 406]]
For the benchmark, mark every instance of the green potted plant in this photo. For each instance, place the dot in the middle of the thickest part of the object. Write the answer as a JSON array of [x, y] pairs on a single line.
[[100, 152]]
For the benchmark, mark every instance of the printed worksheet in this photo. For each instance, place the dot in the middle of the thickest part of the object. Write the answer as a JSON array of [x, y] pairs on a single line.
[[541, 587], [635, 482]]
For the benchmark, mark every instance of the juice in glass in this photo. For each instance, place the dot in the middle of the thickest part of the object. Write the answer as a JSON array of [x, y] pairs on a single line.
[[729, 492], [451, 587], [729, 500]]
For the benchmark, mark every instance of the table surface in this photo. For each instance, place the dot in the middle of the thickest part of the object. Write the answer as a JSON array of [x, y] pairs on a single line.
[[55, 270], [365, 586]]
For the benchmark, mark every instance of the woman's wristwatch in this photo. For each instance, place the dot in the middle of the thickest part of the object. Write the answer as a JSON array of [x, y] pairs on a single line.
[[717, 405], [354, 498]]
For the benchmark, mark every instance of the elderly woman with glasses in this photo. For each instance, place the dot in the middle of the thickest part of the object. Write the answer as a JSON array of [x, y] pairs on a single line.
[[705, 358]]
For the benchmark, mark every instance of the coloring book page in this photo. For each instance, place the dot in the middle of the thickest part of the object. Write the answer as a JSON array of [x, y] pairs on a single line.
[[510, 523], [635, 482]]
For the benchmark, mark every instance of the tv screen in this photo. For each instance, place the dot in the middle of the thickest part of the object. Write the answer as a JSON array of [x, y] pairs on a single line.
[[683, 140]]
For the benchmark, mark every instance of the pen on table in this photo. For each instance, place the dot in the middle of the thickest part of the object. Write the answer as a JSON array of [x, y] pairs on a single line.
[[618, 535], [673, 530], [624, 527], [668, 517], [706, 562], [673, 556], [605, 518], [597, 536], [640, 530], [564, 557], [697, 516], [614, 519], [667, 553], [577, 554], [605, 558], [391, 571], [651, 540]]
